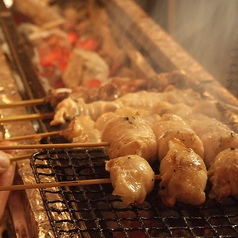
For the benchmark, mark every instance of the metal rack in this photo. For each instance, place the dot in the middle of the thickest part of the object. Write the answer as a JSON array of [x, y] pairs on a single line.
[[92, 210]]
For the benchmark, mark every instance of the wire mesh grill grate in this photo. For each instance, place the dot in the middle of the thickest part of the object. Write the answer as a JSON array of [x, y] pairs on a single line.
[[92, 210]]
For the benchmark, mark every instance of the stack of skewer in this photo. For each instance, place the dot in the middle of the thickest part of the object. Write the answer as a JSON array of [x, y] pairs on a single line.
[[39, 136]]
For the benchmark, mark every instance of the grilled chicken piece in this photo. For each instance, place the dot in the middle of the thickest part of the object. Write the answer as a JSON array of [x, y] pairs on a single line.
[[132, 178], [66, 109], [139, 100], [81, 129], [126, 111], [179, 109], [183, 176], [172, 126], [206, 107], [147, 115], [215, 135], [103, 119], [121, 84], [84, 129], [130, 135], [146, 100], [223, 174]]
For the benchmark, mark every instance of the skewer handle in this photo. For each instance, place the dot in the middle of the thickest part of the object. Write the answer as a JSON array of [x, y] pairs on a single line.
[[48, 146], [37, 136], [24, 103], [14, 159], [56, 184], [32, 117], [59, 184]]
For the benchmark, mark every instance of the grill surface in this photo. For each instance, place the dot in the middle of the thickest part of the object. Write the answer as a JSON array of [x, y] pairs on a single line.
[[92, 210]]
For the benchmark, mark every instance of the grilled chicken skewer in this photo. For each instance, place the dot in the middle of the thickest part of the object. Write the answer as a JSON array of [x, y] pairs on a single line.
[[183, 176], [132, 149], [220, 154], [81, 130], [223, 174], [195, 144], [172, 126], [206, 107], [132, 178], [128, 136], [182, 169], [215, 135], [146, 115], [68, 108]]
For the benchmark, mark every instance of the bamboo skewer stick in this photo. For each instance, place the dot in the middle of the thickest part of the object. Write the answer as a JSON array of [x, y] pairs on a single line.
[[34, 136], [32, 117], [53, 146], [24, 103], [59, 184], [14, 159], [55, 184]]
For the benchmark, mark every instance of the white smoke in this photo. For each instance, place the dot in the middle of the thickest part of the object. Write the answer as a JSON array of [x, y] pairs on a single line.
[[207, 29]]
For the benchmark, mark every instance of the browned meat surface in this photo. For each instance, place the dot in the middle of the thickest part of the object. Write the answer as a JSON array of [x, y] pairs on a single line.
[[183, 176], [223, 174], [172, 126], [132, 178], [130, 135]]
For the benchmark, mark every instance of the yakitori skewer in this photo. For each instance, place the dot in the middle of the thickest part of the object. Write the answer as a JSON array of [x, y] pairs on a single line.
[[37, 136], [27, 117], [53, 146], [24, 103], [59, 184]]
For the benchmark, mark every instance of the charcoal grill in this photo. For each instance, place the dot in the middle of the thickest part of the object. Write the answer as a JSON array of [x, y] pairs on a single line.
[[92, 210]]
